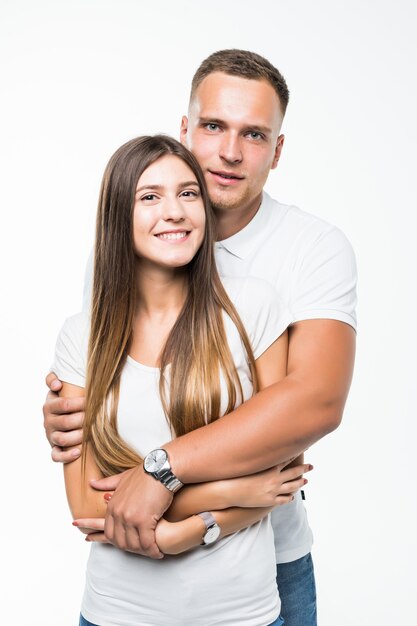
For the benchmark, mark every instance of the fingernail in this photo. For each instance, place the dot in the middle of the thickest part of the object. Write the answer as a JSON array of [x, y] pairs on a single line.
[[107, 497], [55, 385], [75, 452], [75, 523], [310, 467], [87, 539], [305, 481]]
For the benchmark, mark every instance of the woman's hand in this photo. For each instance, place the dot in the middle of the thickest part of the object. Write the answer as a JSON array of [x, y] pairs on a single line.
[[92, 527], [270, 488]]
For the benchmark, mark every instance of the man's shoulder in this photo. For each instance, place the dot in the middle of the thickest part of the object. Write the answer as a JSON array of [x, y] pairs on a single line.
[[287, 223], [291, 217]]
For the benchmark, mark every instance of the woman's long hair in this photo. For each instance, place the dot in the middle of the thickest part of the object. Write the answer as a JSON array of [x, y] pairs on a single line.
[[196, 350]]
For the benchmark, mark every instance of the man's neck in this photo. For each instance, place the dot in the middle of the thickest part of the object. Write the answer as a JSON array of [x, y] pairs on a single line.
[[231, 221]]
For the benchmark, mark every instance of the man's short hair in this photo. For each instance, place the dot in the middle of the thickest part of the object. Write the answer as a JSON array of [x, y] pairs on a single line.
[[246, 65]]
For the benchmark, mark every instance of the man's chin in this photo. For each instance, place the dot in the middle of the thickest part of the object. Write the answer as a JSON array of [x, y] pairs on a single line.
[[224, 203]]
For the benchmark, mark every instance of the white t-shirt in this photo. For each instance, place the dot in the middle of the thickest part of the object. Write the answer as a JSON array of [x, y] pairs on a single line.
[[312, 267], [229, 583]]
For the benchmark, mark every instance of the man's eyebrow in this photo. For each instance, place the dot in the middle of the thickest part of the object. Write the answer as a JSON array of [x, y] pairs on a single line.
[[211, 120], [260, 129]]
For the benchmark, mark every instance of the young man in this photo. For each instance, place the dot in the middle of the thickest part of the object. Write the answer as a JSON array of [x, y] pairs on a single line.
[[237, 104]]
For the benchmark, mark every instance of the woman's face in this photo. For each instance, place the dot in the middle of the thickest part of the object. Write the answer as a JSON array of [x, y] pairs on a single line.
[[169, 217]]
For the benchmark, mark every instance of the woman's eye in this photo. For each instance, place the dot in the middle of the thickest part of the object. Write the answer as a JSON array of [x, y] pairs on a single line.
[[190, 193], [149, 196]]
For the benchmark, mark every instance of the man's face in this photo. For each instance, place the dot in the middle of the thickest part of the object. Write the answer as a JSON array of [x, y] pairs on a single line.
[[233, 130]]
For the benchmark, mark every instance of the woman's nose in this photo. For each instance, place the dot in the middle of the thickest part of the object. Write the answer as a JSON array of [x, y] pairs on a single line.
[[173, 210]]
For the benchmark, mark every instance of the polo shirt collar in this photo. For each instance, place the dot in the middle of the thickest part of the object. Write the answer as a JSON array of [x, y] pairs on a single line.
[[243, 242]]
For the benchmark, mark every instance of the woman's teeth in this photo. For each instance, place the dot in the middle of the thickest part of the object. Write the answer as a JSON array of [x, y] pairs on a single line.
[[172, 235]]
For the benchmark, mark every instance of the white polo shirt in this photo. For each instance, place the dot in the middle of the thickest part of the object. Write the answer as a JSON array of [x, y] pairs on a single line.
[[312, 267]]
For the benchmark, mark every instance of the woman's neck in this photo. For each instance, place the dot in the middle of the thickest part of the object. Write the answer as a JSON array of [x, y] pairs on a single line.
[[161, 296], [161, 291]]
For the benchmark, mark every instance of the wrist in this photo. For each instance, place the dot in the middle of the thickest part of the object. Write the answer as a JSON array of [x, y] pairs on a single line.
[[178, 462], [157, 464], [177, 537]]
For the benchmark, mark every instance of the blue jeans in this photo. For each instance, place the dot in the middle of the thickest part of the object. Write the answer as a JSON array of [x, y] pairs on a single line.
[[297, 590], [83, 622]]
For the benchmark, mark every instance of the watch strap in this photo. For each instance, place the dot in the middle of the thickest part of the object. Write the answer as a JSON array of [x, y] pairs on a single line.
[[169, 480], [208, 518]]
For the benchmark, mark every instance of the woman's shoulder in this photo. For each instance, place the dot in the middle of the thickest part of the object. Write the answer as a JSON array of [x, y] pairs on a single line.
[[71, 350], [76, 326]]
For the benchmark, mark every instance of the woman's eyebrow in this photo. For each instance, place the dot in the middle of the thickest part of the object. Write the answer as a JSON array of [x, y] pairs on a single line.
[[149, 187], [188, 183]]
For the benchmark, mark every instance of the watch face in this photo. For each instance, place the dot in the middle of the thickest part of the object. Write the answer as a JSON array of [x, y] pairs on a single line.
[[212, 534], [155, 460]]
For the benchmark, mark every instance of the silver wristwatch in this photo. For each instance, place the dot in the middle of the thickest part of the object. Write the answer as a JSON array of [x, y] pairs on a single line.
[[156, 464], [213, 530]]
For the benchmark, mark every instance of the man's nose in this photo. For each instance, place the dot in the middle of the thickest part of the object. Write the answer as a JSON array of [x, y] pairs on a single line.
[[230, 149]]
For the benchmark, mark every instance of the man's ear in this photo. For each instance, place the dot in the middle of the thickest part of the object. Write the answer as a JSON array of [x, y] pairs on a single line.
[[278, 150], [184, 130]]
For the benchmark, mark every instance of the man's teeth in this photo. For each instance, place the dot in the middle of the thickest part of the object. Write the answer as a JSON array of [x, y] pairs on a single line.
[[227, 176], [172, 235]]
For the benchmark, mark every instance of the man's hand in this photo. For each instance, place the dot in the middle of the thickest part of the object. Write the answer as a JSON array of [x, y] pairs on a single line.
[[133, 512], [63, 419]]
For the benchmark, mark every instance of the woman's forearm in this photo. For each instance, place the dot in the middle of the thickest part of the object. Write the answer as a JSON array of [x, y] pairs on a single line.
[[193, 499], [178, 537], [83, 500]]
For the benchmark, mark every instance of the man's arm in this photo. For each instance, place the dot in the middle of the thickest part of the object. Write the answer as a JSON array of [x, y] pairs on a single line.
[[282, 420], [277, 424]]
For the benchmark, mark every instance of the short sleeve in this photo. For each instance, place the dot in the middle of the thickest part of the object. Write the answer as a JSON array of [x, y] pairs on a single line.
[[70, 360], [263, 313], [88, 283], [325, 282]]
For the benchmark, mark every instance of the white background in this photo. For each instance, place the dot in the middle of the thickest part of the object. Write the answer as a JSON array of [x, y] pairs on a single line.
[[79, 78]]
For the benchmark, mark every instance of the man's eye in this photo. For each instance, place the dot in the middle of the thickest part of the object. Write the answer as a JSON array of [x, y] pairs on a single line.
[[212, 126], [255, 135]]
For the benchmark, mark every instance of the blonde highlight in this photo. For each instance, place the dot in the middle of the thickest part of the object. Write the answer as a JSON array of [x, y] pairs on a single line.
[[196, 350]]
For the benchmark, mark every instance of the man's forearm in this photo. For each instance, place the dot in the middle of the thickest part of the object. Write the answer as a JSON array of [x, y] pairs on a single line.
[[277, 424]]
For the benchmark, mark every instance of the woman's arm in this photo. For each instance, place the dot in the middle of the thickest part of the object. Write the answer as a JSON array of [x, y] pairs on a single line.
[[83, 501], [269, 488], [178, 537]]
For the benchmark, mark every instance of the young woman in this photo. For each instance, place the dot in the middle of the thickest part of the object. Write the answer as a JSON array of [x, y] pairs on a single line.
[[163, 352]]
